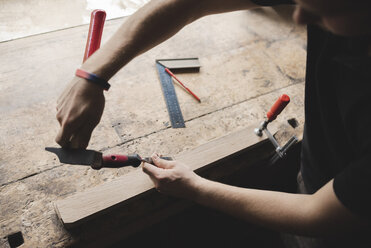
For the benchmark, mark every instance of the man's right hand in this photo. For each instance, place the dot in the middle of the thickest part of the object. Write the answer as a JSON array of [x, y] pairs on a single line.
[[79, 110]]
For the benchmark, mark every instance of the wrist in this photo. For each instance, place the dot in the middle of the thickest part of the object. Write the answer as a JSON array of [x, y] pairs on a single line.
[[81, 83], [198, 189], [105, 62], [92, 78]]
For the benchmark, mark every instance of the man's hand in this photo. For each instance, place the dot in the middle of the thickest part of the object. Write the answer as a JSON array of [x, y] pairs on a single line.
[[79, 110], [173, 178]]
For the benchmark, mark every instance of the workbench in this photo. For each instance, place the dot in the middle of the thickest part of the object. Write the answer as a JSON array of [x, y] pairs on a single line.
[[248, 59]]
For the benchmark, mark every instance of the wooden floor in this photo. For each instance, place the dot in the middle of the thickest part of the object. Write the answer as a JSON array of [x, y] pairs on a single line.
[[248, 59]]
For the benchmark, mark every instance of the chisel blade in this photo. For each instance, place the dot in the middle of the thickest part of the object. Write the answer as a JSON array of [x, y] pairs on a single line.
[[77, 156]]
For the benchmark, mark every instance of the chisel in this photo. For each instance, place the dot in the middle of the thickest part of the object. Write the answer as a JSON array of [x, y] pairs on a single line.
[[97, 160]]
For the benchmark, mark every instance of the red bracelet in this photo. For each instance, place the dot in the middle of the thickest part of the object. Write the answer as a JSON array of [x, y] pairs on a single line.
[[91, 77]]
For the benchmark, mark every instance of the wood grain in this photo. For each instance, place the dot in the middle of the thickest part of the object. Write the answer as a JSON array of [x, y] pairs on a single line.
[[133, 186]]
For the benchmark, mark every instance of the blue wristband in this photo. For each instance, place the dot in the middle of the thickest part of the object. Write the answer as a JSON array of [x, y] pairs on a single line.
[[91, 77]]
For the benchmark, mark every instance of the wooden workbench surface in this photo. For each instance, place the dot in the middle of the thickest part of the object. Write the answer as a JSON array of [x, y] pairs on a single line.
[[248, 59]]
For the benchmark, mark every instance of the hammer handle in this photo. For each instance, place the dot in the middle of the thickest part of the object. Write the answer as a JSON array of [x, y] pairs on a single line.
[[95, 32], [277, 107]]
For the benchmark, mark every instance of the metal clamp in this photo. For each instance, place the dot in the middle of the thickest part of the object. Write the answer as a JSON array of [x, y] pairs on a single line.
[[281, 151]]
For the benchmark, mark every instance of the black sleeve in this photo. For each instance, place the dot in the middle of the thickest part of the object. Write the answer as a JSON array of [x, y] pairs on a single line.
[[352, 186], [272, 2]]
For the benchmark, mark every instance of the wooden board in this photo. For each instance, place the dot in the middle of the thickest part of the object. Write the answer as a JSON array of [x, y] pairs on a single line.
[[133, 186], [181, 64]]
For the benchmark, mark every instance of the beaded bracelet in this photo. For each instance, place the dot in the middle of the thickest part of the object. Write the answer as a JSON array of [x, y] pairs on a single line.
[[91, 77]]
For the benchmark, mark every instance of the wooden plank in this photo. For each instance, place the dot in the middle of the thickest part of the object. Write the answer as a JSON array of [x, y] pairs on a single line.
[[133, 186], [151, 207]]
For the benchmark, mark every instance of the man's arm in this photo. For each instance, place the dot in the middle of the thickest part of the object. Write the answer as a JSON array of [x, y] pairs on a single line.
[[320, 214], [81, 104], [150, 26]]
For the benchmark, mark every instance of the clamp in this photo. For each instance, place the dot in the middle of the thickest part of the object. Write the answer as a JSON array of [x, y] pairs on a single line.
[[272, 114]]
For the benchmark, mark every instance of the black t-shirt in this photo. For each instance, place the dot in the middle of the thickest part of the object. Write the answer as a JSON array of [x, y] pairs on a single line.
[[337, 132]]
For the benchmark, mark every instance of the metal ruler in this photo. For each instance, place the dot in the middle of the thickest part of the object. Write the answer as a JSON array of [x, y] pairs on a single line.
[[172, 104]]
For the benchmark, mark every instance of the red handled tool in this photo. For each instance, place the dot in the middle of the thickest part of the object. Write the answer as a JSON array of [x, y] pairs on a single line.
[[97, 160], [272, 114], [95, 32], [117, 161], [277, 107]]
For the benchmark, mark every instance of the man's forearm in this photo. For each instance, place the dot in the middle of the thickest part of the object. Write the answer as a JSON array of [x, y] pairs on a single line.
[[154, 23], [320, 214]]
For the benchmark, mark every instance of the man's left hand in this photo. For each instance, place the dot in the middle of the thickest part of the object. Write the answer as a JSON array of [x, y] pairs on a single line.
[[173, 178]]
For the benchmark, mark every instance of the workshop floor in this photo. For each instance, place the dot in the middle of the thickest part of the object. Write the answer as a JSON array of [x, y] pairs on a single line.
[[21, 18]]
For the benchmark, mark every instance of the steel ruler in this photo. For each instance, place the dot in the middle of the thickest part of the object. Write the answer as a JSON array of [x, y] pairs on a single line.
[[171, 100]]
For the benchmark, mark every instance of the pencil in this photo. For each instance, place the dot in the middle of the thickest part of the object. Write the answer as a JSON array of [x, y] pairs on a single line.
[[190, 92]]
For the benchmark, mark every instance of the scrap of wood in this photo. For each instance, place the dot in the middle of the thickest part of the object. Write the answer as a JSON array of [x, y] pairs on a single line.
[[184, 63], [134, 187]]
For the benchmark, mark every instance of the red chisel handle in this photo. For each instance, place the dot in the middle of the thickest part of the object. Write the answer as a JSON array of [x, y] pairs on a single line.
[[278, 106], [95, 32], [117, 161]]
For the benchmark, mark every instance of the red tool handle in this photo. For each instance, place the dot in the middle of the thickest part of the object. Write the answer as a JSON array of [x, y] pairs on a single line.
[[278, 106], [95, 32], [117, 161]]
